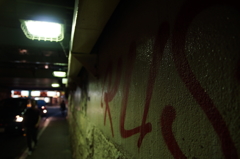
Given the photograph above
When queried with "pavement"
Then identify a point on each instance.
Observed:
(53, 140)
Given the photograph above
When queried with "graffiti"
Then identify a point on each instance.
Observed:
(167, 118)
(145, 127)
(159, 45)
(111, 90)
(186, 15)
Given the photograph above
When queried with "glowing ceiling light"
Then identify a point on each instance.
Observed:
(40, 30)
(55, 85)
(64, 80)
(59, 74)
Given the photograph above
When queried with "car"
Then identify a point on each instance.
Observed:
(41, 104)
(11, 114)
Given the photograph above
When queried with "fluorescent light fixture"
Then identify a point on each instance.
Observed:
(41, 30)
(55, 85)
(64, 80)
(59, 74)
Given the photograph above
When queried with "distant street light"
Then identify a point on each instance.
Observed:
(55, 85)
(64, 80)
(59, 74)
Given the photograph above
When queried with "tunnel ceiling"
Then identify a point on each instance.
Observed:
(22, 61)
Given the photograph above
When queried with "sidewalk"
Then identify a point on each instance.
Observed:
(53, 142)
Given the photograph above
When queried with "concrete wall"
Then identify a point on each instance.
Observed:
(168, 84)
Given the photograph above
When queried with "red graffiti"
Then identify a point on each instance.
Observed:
(111, 90)
(159, 45)
(167, 118)
(184, 18)
(186, 15)
(127, 83)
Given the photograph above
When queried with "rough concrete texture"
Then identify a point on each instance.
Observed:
(89, 142)
(168, 84)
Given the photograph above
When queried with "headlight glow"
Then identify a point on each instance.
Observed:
(44, 111)
(18, 118)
